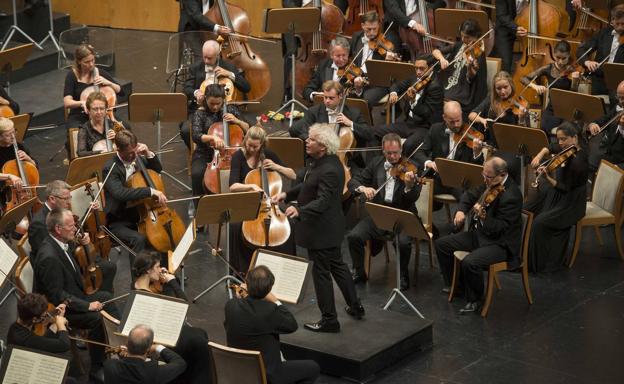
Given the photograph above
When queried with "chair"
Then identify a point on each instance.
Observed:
(360, 104)
(233, 366)
(224, 180)
(73, 142)
(494, 65)
(23, 247)
(604, 208)
(25, 275)
(446, 199)
(527, 223)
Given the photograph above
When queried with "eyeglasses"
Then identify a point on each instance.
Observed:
(98, 109)
(63, 198)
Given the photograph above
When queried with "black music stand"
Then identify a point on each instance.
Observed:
(396, 221)
(575, 106)
(7, 252)
(458, 174)
(524, 142)
(223, 209)
(382, 73)
(613, 75)
(158, 108)
(13, 59)
(291, 21)
(15, 28)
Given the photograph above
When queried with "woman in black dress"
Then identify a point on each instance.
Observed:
(559, 203)
(192, 344)
(247, 158)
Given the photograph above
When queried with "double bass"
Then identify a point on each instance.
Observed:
(358, 8)
(238, 51)
(419, 44)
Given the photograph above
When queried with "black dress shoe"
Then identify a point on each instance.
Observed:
(323, 326)
(471, 307)
(356, 311)
(358, 277)
(405, 282)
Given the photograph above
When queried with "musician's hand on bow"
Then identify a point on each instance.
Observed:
(368, 192)
(358, 82)
(391, 56)
(221, 72)
(95, 306)
(419, 28)
(256, 188)
(411, 93)
(592, 65)
(521, 31)
(393, 98)
(477, 146)
(593, 128)
(344, 120)
(95, 205)
(458, 220)
(278, 198)
(431, 164)
(444, 64)
(159, 196)
(16, 181)
(223, 30)
(540, 89)
(216, 142)
(479, 210)
(291, 212)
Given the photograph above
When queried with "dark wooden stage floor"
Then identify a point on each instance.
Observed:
(573, 333)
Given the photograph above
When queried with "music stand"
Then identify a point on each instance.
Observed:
(289, 149)
(8, 261)
(21, 123)
(613, 75)
(175, 258)
(576, 107)
(84, 168)
(458, 174)
(448, 21)
(50, 34)
(396, 221)
(157, 108)
(15, 28)
(226, 208)
(382, 73)
(291, 21)
(522, 141)
(13, 59)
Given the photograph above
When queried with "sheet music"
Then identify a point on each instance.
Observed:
(289, 275)
(183, 247)
(165, 317)
(26, 367)
(8, 258)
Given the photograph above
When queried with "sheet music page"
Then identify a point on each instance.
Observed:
(165, 317)
(26, 367)
(8, 258)
(183, 246)
(289, 275)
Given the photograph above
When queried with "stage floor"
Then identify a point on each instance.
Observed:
(573, 333)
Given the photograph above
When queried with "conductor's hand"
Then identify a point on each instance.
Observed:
(592, 65)
(278, 198)
(458, 220)
(95, 306)
(593, 128)
(159, 196)
(292, 212)
(368, 192)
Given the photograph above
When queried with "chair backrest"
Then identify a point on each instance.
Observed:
(234, 366)
(494, 65)
(424, 204)
(608, 188)
(25, 275)
(111, 326)
(224, 180)
(527, 224)
(73, 142)
(23, 246)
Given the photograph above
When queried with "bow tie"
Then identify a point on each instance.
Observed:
(387, 165)
(65, 246)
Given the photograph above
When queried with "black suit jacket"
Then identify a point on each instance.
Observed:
(117, 194)
(394, 10)
(601, 43)
(374, 175)
(37, 232)
(318, 114)
(505, 16)
(436, 144)
(256, 325)
(428, 110)
(323, 72)
(136, 371)
(612, 143)
(197, 73)
(503, 221)
(318, 192)
(192, 18)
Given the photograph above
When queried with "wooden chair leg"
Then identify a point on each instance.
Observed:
(367, 258)
(454, 279)
(497, 282)
(598, 235)
(618, 240)
(488, 293)
(525, 283)
(577, 244)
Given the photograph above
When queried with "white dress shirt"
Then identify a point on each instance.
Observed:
(65, 248)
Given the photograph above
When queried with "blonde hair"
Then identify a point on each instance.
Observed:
(5, 124)
(255, 132)
(495, 101)
(331, 84)
(326, 136)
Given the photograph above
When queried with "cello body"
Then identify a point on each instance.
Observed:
(357, 8)
(416, 43)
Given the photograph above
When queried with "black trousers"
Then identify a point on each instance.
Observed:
(327, 264)
(127, 232)
(365, 230)
(372, 95)
(504, 41)
(198, 167)
(472, 266)
(109, 269)
(295, 372)
(185, 131)
(193, 347)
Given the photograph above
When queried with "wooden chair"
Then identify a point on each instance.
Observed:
(494, 65)
(233, 366)
(446, 199)
(25, 275)
(527, 222)
(604, 208)
(73, 142)
(23, 247)
(360, 104)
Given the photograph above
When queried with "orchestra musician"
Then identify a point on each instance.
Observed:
(466, 81)
(122, 221)
(94, 130)
(494, 235)
(611, 146)
(192, 18)
(7, 136)
(320, 225)
(396, 193)
(328, 68)
(192, 344)
(210, 70)
(140, 363)
(424, 107)
(57, 276)
(606, 43)
(560, 202)
(506, 30)
(255, 322)
(249, 157)
(561, 74)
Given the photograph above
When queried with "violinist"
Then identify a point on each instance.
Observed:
(506, 30)
(329, 68)
(498, 106)
(58, 277)
(210, 69)
(424, 106)
(210, 112)
(561, 74)
(249, 157)
(94, 131)
(611, 146)
(397, 193)
(122, 221)
(466, 80)
(494, 234)
(606, 43)
(192, 345)
(560, 201)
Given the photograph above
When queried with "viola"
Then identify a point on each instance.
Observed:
(487, 198)
(555, 162)
(85, 256)
(49, 317)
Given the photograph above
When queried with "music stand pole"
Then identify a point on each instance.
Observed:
(50, 34)
(15, 28)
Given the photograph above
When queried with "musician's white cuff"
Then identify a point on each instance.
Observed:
(159, 348)
(427, 163)
(411, 23)
(216, 28)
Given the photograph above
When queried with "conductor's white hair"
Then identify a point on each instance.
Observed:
(326, 136)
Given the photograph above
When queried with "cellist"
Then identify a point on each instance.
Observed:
(7, 152)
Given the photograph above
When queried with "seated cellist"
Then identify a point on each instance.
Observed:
(7, 152)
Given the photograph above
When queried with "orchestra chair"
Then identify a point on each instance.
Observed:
(233, 365)
(72, 137)
(23, 246)
(447, 199)
(25, 275)
(224, 180)
(492, 278)
(424, 206)
(111, 326)
(604, 208)
(494, 65)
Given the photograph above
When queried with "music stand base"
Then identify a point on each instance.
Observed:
(215, 284)
(6, 297)
(397, 292)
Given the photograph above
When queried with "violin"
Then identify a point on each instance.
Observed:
(383, 46)
(466, 135)
(399, 170)
(350, 72)
(517, 105)
(555, 162)
(41, 325)
(487, 198)
(239, 290)
(474, 52)
(85, 256)
(271, 228)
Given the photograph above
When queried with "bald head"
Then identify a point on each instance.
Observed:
(498, 165)
(210, 52)
(453, 115)
(140, 340)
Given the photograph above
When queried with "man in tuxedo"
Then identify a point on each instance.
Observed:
(506, 30)
(328, 68)
(425, 108)
(255, 323)
(396, 193)
(612, 143)
(210, 69)
(320, 225)
(606, 43)
(57, 276)
(135, 367)
(495, 233)
(122, 221)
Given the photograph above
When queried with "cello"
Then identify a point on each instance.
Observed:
(271, 228)
(108, 91)
(85, 256)
(358, 8)
(238, 50)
